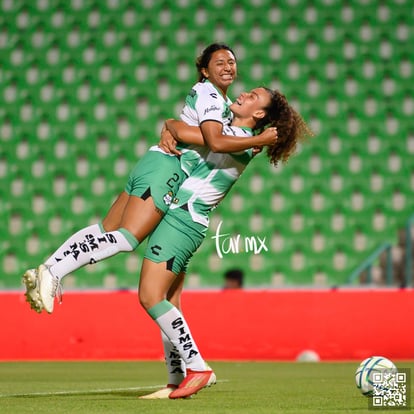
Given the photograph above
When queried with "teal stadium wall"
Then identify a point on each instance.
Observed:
(84, 86)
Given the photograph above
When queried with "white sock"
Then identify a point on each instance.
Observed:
(93, 248)
(65, 248)
(174, 326)
(175, 365)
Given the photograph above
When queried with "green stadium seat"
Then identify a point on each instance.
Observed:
(300, 265)
(13, 259)
(84, 87)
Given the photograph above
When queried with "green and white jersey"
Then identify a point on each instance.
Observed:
(210, 181)
(203, 103)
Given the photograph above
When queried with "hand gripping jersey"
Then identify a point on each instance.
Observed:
(210, 181)
(184, 226)
(203, 103)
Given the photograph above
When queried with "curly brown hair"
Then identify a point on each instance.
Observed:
(291, 128)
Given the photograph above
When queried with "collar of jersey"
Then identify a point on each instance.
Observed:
(248, 129)
(214, 86)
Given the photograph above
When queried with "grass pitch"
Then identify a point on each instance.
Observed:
(113, 387)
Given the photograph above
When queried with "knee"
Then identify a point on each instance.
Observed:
(147, 301)
(143, 300)
(108, 223)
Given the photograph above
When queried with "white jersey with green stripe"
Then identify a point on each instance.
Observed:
(203, 103)
(211, 180)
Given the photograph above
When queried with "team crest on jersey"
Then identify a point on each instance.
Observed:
(169, 199)
(226, 112)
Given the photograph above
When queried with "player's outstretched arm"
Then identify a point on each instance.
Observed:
(212, 135)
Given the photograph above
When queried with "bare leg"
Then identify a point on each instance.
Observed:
(112, 221)
(134, 214)
(174, 293)
(150, 276)
(128, 222)
(154, 284)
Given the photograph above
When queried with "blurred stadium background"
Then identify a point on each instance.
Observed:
(85, 86)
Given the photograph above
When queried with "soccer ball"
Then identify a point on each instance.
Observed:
(367, 368)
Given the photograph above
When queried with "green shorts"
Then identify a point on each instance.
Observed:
(175, 240)
(156, 175)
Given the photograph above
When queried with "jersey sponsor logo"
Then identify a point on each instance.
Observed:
(184, 338)
(213, 95)
(175, 362)
(211, 109)
(89, 244)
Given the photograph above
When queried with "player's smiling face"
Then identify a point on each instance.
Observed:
(222, 69)
(251, 104)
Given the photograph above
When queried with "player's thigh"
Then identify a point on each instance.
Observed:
(155, 281)
(140, 217)
(113, 219)
(136, 215)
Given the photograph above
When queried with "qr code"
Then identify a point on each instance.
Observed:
(390, 390)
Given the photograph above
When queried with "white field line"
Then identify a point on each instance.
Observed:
(81, 392)
(85, 392)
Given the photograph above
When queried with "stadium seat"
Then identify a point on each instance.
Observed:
(86, 85)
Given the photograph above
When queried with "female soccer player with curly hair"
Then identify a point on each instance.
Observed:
(183, 228)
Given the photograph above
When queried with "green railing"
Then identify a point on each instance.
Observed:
(367, 264)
